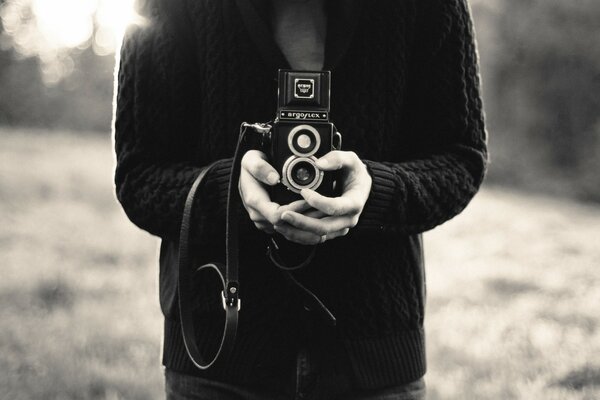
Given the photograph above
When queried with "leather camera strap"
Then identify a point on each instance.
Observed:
(228, 273)
(186, 291)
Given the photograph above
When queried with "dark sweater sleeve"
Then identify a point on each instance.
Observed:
(446, 118)
(156, 162)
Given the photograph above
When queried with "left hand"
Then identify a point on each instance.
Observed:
(335, 215)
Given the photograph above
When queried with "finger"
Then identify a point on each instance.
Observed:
(323, 226)
(348, 203)
(312, 213)
(270, 211)
(265, 227)
(251, 193)
(333, 235)
(251, 189)
(301, 206)
(255, 216)
(254, 196)
(296, 235)
(255, 162)
(337, 159)
(297, 206)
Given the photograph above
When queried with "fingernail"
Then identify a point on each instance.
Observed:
(272, 178)
(306, 192)
(286, 216)
(322, 163)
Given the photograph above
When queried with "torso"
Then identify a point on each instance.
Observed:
(299, 28)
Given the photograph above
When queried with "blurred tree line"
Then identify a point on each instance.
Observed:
(80, 100)
(540, 62)
(541, 80)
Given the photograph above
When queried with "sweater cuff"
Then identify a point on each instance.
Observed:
(380, 204)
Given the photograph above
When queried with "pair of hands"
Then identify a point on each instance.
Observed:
(314, 219)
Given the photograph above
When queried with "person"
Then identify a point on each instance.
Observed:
(406, 96)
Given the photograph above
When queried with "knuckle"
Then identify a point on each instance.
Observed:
(335, 158)
(260, 170)
(246, 160)
(355, 208)
(339, 161)
(259, 154)
(261, 164)
(293, 238)
(308, 196)
(285, 234)
(253, 160)
(251, 200)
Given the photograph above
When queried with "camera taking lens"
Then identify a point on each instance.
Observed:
(301, 173)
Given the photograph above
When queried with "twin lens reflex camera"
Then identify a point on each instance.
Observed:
(301, 133)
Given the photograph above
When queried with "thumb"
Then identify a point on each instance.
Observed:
(332, 161)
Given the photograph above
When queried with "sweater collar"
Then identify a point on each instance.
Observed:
(342, 19)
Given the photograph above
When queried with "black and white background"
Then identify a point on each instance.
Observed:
(513, 282)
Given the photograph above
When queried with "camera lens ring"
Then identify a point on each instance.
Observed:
(292, 140)
(288, 168)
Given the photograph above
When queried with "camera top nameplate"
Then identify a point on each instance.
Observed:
(299, 115)
(300, 89)
(304, 88)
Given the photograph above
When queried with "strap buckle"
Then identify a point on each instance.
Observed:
(231, 297)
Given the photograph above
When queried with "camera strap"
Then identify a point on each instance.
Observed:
(228, 273)
(186, 292)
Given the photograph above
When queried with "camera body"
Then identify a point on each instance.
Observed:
(301, 133)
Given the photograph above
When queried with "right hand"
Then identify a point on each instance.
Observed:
(255, 173)
(264, 213)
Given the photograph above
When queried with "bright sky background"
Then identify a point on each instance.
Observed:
(49, 29)
(68, 23)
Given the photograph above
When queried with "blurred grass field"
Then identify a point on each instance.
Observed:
(513, 287)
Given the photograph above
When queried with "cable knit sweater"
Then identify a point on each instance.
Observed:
(405, 95)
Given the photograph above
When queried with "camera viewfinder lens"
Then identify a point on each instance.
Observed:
(304, 141)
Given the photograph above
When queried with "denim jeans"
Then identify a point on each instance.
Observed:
(311, 379)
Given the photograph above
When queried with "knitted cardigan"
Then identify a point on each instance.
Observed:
(406, 97)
